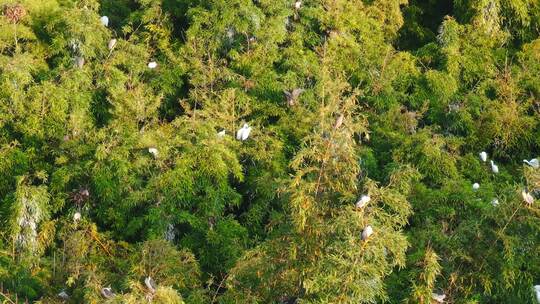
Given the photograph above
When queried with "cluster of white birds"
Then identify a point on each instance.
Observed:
(484, 157)
(527, 197)
(243, 133)
(112, 43)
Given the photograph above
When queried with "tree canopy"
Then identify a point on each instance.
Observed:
(269, 151)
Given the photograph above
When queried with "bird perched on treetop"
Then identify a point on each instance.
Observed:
(104, 20)
(439, 298)
(367, 232)
(152, 65)
(527, 197)
(292, 96)
(476, 186)
(150, 284)
(112, 44)
(107, 292)
(533, 163)
(339, 121)
(243, 133)
(362, 202)
(483, 156)
(494, 168)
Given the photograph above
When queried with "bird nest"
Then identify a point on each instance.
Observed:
(14, 13)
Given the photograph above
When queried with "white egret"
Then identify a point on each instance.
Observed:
(221, 133)
(362, 202)
(152, 65)
(537, 292)
(153, 151)
(494, 202)
(476, 186)
(339, 121)
(494, 168)
(527, 197)
(150, 284)
(439, 298)
(79, 62)
(292, 96)
(298, 5)
(483, 156)
(368, 231)
(244, 132)
(104, 20)
(76, 217)
(63, 295)
(533, 163)
(107, 292)
(112, 44)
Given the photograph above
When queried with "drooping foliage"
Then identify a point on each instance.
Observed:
(124, 177)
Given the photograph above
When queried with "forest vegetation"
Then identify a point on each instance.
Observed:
(270, 151)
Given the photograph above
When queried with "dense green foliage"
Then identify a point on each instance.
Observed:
(113, 170)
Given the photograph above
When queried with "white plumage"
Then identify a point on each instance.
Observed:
(107, 292)
(112, 44)
(483, 156)
(63, 295)
(439, 298)
(153, 151)
(362, 202)
(77, 217)
(152, 65)
(150, 284)
(537, 293)
(243, 133)
(476, 186)
(494, 168)
(533, 163)
(368, 231)
(494, 202)
(297, 5)
(527, 197)
(221, 133)
(104, 20)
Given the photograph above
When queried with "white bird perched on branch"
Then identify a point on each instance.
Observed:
(368, 231)
(533, 163)
(527, 197)
(104, 20)
(494, 202)
(153, 151)
(476, 186)
(439, 298)
(243, 133)
(76, 217)
(362, 202)
(537, 292)
(494, 168)
(112, 44)
(221, 133)
(339, 121)
(107, 292)
(483, 156)
(297, 5)
(63, 295)
(150, 284)
(152, 65)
